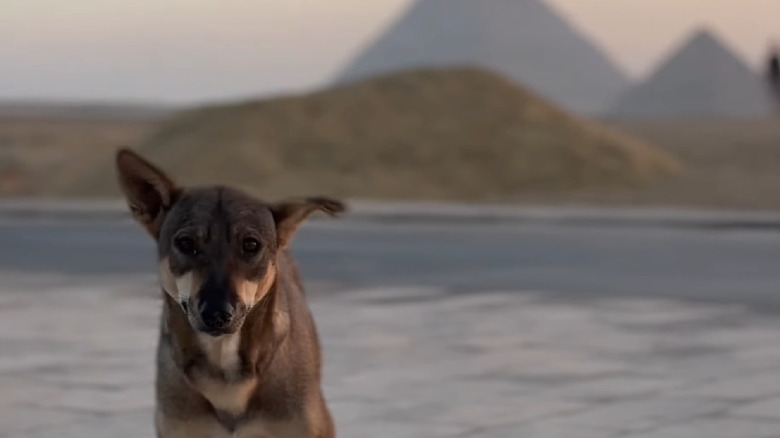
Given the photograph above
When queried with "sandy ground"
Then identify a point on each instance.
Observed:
(728, 164)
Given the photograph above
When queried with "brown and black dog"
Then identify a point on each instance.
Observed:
(238, 352)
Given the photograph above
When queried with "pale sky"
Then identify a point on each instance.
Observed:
(189, 51)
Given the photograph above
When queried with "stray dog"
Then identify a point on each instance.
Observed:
(238, 353)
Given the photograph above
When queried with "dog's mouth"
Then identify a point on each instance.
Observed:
(217, 332)
(197, 323)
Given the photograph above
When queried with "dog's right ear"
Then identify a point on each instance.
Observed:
(149, 192)
(289, 214)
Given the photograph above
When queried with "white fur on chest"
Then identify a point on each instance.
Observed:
(222, 353)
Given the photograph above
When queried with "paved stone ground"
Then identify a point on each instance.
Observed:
(421, 363)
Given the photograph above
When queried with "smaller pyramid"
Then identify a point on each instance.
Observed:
(703, 79)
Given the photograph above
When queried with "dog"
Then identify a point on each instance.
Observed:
(238, 353)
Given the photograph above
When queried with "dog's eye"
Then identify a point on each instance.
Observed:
(186, 245)
(250, 246)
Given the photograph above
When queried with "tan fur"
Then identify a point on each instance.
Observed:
(251, 292)
(179, 288)
(228, 397)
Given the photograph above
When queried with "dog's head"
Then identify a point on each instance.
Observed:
(217, 246)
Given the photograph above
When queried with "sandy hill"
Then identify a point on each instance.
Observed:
(438, 134)
(702, 79)
(526, 40)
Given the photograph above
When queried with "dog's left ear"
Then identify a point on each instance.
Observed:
(149, 192)
(288, 215)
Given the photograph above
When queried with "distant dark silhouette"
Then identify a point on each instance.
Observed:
(773, 72)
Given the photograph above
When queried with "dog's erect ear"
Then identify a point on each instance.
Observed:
(149, 192)
(289, 215)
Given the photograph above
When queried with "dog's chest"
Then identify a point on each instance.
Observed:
(229, 394)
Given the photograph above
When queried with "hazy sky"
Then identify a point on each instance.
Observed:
(187, 51)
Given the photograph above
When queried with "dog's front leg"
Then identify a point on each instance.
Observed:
(201, 427)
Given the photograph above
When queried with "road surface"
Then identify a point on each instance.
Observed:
(578, 262)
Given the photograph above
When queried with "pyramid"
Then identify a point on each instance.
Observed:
(703, 79)
(524, 40)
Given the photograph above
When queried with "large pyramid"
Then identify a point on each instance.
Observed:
(703, 79)
(523, 39)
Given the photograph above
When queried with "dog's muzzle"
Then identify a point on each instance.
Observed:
(217, 316)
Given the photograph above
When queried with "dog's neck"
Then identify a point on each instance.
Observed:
(223, 353)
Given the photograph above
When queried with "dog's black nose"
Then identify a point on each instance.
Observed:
(217, 315)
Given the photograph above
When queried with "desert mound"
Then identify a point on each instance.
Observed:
(14, 180)
(455, 133)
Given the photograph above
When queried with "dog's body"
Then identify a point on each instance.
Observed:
(261, 381)
(238, 352)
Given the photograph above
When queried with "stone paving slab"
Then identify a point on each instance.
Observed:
(78, 362)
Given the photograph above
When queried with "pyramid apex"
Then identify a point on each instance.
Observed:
(705, 32)
(706, 35)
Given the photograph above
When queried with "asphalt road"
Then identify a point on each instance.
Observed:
(573, 262)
